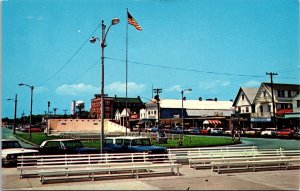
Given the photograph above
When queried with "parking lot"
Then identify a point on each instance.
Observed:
(201, 179)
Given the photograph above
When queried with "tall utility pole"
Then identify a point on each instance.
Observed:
(157, 91)
(272, 93)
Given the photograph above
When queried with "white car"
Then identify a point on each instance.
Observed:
(11, 149)
(268, 132)
(216, 131)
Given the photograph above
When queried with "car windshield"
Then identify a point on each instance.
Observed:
(10, 144)
(70, 144)
(140, 142)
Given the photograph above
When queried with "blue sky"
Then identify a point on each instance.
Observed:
(212, 46)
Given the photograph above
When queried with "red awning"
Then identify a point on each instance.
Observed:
(283, 111)
(213, 121)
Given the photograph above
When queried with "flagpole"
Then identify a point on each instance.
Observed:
(126, 71)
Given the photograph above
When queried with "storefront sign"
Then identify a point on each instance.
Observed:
(261, 119)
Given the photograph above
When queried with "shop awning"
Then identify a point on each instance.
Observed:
(140, 122)
(283, 111)
(213, 121)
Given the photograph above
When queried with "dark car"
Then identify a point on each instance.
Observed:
(131, 145)
(65, 146)
(195, 131)
(176, 130)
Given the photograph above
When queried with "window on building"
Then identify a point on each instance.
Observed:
(280, 93)
(289, 93)
(148, 112)
(264, 93)
(154, 112)
(243, 96)
(107, 102)
(261, 108)
(298, 103)
(269, 108)
(247, 109)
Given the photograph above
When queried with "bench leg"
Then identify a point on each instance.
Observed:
(218, 169)
(178, 173)
(172, 170)
(93, 177)
(42, 179)
(137, 173)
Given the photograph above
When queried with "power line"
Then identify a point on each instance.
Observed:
(186, 69)
(83, 73)
(69, 60)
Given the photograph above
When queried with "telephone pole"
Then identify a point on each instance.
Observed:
(157, 91)
(272, 93)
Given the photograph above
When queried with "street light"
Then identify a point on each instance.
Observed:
(103, 45)
(182, 118)
(15, 113)
(30, 119)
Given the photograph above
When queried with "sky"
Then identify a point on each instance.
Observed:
(212, 46)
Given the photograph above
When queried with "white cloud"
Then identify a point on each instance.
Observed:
(175, 88)
(120, 88)
(40, 89)
(76, 89)
(214, 85)
(252, 83)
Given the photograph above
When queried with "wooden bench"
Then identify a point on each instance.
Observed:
(204, 159)
(254, 162)
(29, 165)
(109, 168)
(182, 154)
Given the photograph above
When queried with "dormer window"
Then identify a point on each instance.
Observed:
(243, 96)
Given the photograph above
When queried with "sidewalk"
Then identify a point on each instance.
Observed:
(201, 179)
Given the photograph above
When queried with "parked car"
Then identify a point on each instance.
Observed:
(252, 132)
(268, 132)
(176, 130)
(296, 134)
(227, 132)
(285, 133)
(216, 131)
(65, 146)
(195, 131)
(11, 149)
(204, 131)
(128, 144)
(154, 129)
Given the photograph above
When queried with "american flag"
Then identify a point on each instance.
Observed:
(133, 22)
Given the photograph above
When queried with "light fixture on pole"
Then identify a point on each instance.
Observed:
(103, 45)
(31, 95)
(15, 112)
(182, 118)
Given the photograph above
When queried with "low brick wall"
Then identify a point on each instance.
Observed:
(82, 125)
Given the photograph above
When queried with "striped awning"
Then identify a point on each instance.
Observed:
(213, 121)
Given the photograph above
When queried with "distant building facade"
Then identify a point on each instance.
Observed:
(115, 107)
(260, 107)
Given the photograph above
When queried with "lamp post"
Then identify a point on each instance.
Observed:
(31, 95)
(103, 45)
(15, 112)
(182, 118)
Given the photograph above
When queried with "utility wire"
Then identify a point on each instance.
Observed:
(185, 69)
(69, 60)
(83, 73)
